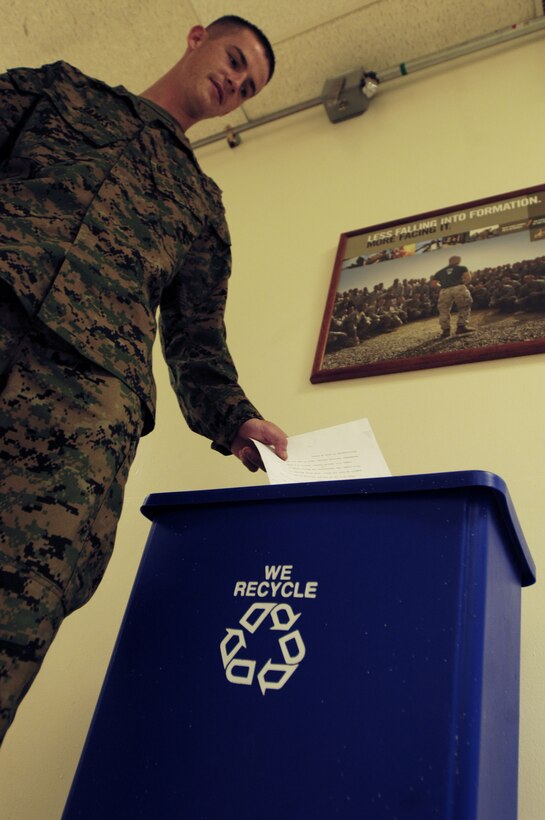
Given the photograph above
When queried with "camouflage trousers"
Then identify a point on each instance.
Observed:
(68, 434)
(458, 295)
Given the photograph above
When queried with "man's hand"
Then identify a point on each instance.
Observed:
(260, 430)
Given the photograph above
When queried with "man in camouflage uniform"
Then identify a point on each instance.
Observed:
(105, 216)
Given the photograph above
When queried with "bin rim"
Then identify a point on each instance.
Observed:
(156, 504)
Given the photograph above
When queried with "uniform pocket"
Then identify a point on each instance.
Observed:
(93, 123)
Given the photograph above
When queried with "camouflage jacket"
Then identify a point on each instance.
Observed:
(105, 216)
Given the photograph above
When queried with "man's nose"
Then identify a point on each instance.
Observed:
(233, 83)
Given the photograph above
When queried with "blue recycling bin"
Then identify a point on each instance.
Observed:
(315, 651)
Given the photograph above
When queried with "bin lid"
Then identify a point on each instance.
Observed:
(157, 503)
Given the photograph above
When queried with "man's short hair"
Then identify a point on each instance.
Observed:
(233, 21)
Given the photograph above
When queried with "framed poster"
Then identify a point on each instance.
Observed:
(461, 284)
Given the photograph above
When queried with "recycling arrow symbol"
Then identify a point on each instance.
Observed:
(242, 671)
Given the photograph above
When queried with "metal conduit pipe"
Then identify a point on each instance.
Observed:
(469, 46)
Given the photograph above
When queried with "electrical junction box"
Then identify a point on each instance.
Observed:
(347, 96)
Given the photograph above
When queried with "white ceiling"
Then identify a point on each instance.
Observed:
(132, 42)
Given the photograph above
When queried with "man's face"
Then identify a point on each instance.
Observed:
(219, 73)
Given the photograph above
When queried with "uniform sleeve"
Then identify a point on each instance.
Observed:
(193, 337)
(19, 90)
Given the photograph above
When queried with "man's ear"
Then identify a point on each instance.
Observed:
(196, 37)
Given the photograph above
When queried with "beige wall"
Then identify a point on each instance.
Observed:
(452, 134)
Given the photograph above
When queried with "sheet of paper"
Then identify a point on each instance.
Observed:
(341, 452)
